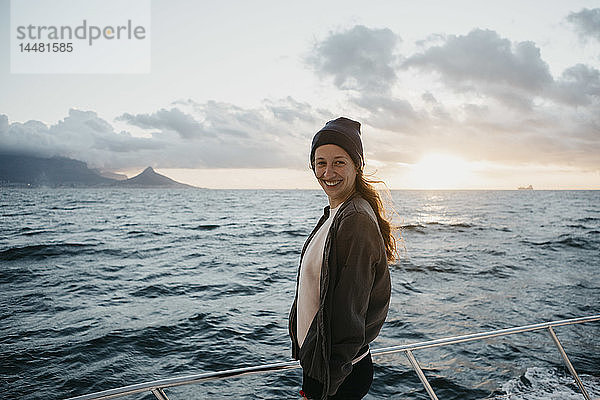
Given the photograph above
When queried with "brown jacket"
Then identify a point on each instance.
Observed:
(354, 295)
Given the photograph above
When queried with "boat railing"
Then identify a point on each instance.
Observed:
(157, 387)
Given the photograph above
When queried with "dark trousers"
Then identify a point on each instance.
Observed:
(355, 386)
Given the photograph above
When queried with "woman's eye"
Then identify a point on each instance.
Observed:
(340, 163)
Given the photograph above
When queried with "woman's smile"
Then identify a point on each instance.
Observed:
(331, 183)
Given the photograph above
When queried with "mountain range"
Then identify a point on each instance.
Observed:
(32, 171)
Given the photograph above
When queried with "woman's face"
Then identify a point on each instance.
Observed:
(335, 172)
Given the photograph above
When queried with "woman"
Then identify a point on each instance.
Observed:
(343, 287)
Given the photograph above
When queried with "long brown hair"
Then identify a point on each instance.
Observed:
(364, 186)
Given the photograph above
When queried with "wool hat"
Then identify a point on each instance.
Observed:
(343, 132)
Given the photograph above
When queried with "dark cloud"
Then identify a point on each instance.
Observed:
(81, 135)
(230, 120)
(212, 135)
(289, 110)
(578, 85)
(481, 63)
(388, 113)
(360, 58)
(173, 120)
(235, 137)
(485, 62)
(586, 22)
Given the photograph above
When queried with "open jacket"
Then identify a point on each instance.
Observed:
(354, 295)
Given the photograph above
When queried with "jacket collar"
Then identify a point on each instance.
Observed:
(342, 206)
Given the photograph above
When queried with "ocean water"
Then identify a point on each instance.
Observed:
(105, 288)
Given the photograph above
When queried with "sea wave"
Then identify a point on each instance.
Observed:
(539, 383)
(42, 251)
(565, 241)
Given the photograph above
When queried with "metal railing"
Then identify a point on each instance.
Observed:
(157, 387)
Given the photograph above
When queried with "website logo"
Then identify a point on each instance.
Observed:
(75, 36)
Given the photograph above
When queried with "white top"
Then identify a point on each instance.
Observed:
(309, 285)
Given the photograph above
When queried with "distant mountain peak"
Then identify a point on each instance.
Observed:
(150, 178)
(25, 170)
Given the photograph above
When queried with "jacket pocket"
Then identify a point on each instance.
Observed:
(310, 353)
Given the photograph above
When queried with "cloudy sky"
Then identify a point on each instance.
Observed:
(461, 94)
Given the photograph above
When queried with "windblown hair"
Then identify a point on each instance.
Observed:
(364, 186)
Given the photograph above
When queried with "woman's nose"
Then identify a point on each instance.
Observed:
(328, 171)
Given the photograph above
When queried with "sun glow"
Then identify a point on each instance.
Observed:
(441, 171)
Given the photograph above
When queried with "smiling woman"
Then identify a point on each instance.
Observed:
(441, 171)
(343, 284)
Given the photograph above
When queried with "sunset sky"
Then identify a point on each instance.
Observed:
(451, 95)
